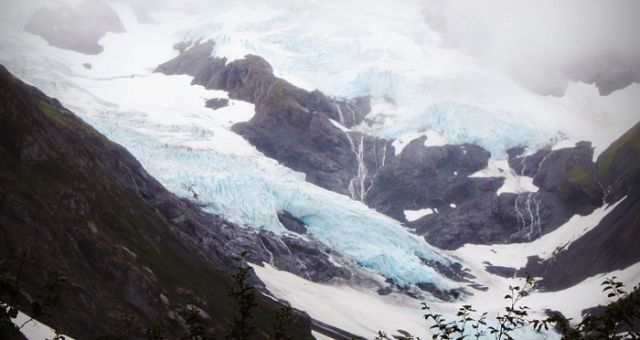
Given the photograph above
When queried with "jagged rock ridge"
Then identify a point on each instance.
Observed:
(291, 126)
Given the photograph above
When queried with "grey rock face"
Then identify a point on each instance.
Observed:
(291, 222)
(568, 186)
(422, 177)
(291, 125)
(217, 103)
(570, 174)
(191, 58)
(611, 245)
(78, 29)
(351, 112)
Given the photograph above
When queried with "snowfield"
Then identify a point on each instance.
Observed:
(365, 312)
(332, 46)
(189, 148)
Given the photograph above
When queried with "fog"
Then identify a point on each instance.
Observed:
(540, 44)
(543, 44)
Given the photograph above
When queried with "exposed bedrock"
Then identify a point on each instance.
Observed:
(291, 125)
(75, 28)
(431, 177)
(613, 243)
(294, 126)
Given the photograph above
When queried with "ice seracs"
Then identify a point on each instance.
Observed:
(163, 122)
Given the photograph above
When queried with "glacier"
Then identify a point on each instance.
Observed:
(162, 121)
(334, 47)
(417, 88)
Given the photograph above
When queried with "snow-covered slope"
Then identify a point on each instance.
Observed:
(35, 330)
(364, 313)
(333, 46)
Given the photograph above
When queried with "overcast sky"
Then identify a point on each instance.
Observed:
(539, 42)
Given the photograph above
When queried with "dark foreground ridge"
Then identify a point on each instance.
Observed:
(82, 205)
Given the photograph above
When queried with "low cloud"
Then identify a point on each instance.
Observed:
(544, 44)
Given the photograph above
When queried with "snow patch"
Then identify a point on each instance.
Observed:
(34, 329)
(413, 215)
(339, 126)
(589, 291)
(361, 312)
(433, 139)
(364, 312)
(513, 183)
(319, 336)
(515, 255)
(564, 143)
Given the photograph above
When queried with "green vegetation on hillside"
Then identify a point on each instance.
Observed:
(630, 139)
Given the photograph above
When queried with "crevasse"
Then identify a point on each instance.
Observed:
(180, 144)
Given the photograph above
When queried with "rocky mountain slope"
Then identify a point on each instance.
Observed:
(307, 132)
(82, 205)
(291, 125)
(615, 239)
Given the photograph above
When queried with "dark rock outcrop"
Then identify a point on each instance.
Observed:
(191, 58)
(291, 222)
(351, 112)
(569, 174)
(568, 186)
(78, 29)
(216, 103)
(611, 245)
(84, 206)
(286, 130)
(372, 154)
(526, 165)
(291, 125)
(431, 177)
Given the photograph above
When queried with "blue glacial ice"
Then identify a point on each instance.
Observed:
(246, 188)
(335, 48)
(250, 192)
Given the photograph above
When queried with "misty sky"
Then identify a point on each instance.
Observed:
(540, 44)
